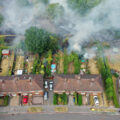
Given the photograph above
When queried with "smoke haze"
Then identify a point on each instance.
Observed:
(94, 25)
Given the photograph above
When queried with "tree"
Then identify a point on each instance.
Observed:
(76, 64)
(40, 1)
(1, 19)
(66, 62)
(55, 10)
(40, 41)
(83, 6)
(22, 3)
(109, 81)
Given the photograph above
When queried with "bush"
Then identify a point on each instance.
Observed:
(76, 100)
(64, 98)
(115, 100)
(79, 99)
(55, 98)
(6, 98)
(116, 75)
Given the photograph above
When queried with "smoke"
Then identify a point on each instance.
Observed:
(98, 24)
(19, 18)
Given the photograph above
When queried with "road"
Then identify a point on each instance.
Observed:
(71, 116)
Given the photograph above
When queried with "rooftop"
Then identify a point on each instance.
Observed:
(21, 83)
(78, 83)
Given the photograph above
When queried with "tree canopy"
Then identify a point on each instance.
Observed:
(55, 10)
(1, 19)
(40, 41)
(83, 6)
(23, 2)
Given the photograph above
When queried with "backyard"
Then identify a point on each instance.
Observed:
(7, 64)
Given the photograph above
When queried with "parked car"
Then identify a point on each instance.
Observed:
(51, 85)
(96, 101)
(25, 100)
(45, 95)
(46, 84)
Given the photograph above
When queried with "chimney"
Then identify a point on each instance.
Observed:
(3, 82)
(30, 79)
(77, 77)
(92, 81)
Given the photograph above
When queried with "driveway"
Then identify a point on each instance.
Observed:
(14, 100)
(70, 100)
(50, 98)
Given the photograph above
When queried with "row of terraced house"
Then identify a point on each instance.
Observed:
(33, 85)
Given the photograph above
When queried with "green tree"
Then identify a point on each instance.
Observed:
(1, 19)
(83, 6)
(22, 3)
(109, 81)
(40, 41)
(55, 10)
(66, 62)
(76, 64)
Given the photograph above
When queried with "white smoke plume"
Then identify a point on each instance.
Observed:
(104, 16)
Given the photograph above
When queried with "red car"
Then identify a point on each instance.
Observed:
(25, 99)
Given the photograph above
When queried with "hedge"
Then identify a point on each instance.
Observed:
(55, 98)
(115, 100)
(65, 98)
(6, 98)
(79, 99)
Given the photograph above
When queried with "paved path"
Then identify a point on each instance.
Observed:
(50, 109)
(59, 117)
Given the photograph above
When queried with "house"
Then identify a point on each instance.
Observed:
(82, 84)
(31, 85)
(5, 52)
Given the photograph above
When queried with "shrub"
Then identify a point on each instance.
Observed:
(64, 98)
(115, 100)
(6, 98)
(76, 100)
(79, 99)
(55, 98)
(116, 75)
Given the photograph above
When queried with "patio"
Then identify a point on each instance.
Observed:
(37, 100)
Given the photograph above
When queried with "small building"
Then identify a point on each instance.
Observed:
(82, 84)
(5, 52)
(19, 72)
(53, 67)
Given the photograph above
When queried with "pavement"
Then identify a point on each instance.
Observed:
(50, 109)
(63, 116)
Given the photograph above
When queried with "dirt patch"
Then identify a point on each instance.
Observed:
(71, 68)
(7, 64)
(105, 100)
(30, 62)
(92, 65)
(61, 109)
(35, 109)
(19, 63)
(114, 62)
